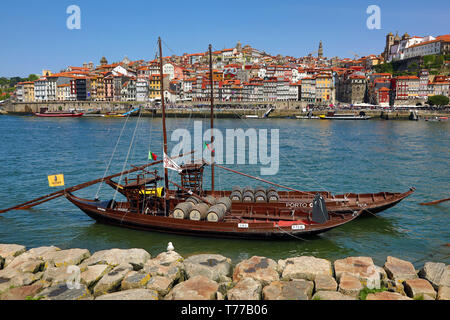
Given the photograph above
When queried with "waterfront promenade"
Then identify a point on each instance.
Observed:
(202, 110)
(133, 274)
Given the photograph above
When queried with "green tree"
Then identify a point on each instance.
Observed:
(438, 100)
(32, 77)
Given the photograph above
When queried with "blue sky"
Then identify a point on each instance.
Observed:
(35, 35)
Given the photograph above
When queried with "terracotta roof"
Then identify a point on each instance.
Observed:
(407, 78)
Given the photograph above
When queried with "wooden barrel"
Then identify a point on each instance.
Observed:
(211, 199)
(248, 196)
(237, 189)
(273, 196)
(236, 196)
(216, 213)
(260, 196)
(270, 189)
(260, 188)
(226, 202)
(193, 200)
(247, 188)
(199, 212)
(182, 210)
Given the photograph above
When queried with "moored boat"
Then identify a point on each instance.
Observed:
(233, 225)
(333, 116)
(59, 114)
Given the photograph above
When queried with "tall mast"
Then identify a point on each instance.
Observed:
(166, 179)
(212, 118)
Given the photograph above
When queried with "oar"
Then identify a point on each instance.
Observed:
(433, 202)
(51, 196)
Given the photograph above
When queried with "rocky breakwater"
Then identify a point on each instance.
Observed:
(132, 274)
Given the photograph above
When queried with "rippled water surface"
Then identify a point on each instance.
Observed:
(347, 156)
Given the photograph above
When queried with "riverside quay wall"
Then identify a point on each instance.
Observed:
(133, 274)
(201, 110)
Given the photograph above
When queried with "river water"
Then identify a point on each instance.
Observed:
(339, 156)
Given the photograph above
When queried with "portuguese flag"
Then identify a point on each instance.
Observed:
(152, 156)
(207, 145)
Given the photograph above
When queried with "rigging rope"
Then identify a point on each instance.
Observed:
(112, 156)
(126, 159)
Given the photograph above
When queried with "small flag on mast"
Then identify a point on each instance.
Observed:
(207, 145)
(170, 164)
(152, 156)
(56, 180)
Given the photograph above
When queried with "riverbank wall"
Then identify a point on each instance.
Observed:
(27, 108)
(50, 273)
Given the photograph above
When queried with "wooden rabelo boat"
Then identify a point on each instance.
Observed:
(243, 212)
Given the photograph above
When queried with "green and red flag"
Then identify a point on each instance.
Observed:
(208, 145)
(152, 156)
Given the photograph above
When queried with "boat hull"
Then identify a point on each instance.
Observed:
(59, 115)
(243, 229)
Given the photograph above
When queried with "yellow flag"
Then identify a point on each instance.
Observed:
(56, 180)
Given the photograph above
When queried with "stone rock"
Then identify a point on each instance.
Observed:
(399, 270)
(432, 271)
(166, 265)
(444, 293)
(62, 292)
(304, 267)
(114, 257)
(445, 278)
(112, 280)
(39, 252)
(9, 251)
(325, 283)
(246, 289)
(10, 277)
(57, 275)
(382, 272)
(195, 288)
(394, 286)
(416, 288)
(259, 268)
(68, 257)
(5, 277)
(132, 294)
(212, 266)
(331, 295)
(32, 256)
(160, 284)
(288, 290)
(386, 295)
(362, 268)
(135, 280)
(350, 285)
(93, 274)
(168, 258)
(22, 293)
(27, 265)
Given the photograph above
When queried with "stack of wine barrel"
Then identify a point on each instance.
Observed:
(195, 209)
(250, 195)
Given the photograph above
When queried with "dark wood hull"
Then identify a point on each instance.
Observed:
(240, 228)
(59, 115)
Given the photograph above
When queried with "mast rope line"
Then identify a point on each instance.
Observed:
(112, 156)
(126, 159)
